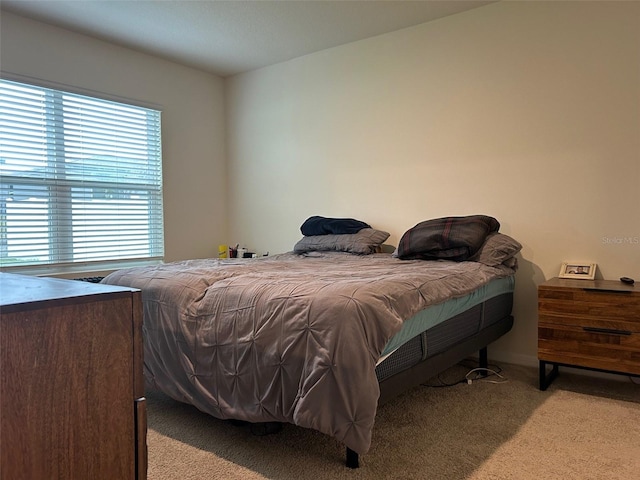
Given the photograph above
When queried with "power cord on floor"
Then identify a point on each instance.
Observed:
(480, 376)
(469, 378)
(442, 383)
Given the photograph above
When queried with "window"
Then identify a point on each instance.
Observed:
(80, 180)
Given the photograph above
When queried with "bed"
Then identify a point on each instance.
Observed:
(318, 337)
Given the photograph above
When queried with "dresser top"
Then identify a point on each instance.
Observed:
(22, 289)
(609, 285)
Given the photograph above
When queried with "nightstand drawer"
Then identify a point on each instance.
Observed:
(605, 349)
(614, 305)
(602, 322)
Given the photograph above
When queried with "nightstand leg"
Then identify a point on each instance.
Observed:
(546, 379)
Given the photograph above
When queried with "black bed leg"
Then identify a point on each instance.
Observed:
(484, 360)
(352, 459)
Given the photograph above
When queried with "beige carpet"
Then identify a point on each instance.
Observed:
(581, 428)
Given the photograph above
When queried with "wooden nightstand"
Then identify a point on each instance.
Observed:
(592, 324)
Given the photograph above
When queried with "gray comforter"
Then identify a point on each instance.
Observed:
(286, 338)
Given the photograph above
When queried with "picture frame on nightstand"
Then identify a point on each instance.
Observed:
(579, 270)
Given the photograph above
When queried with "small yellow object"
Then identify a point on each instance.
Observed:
(223, 251)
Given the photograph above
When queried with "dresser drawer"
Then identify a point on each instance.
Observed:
(587, 347)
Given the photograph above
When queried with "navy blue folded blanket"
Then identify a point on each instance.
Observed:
(317, 225)
(448, 238)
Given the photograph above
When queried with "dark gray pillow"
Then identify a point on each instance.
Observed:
(366, 241)
(447, 238)
(497, 249)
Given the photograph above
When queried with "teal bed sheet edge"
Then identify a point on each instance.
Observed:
(436, 314)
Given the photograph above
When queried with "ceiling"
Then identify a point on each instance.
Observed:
(234, 36)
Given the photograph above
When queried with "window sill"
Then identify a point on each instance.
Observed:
(79, 270)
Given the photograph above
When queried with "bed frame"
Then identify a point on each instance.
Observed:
(441, 347)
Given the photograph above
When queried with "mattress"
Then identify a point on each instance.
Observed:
(435, 314)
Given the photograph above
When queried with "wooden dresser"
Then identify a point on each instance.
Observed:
(593, 324)
(71, 388)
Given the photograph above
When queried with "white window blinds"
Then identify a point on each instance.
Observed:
(80, 179)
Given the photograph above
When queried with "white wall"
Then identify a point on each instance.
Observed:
(192, 104)
(527, 111)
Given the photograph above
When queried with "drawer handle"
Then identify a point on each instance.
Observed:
(606, 330)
